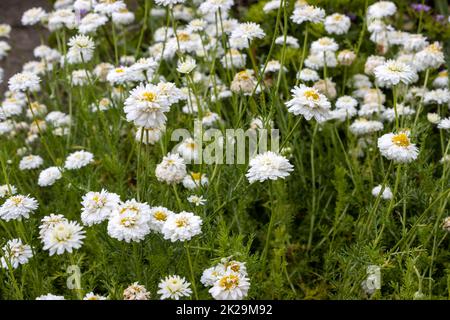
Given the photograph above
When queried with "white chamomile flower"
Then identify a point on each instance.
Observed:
(182, 226)
(48, 222)
(15, 253)
(431, 56)
(195, 180)
(189, 150)
(337, 24)
(78, 159)
(130, 221)
(230, 286)
(363, 126)
(30, 162)
(98, 206)
(136, 291)
(308, 13)
(158, 216)
(49, 176)
(398, 147)
(386, 195)
(393, 72)
(63, 236)
(146, 106)
(381, 9)
(268, 165)
(93, 296)
(17, 207)
(308, 75)
(25, 81)
(186, 65)
(172, 169)
(149, 135)
(248, 31)
(309, 102)
(174, 287)
(33, 16)
(108, 7)
(444, 124)
(7, 190)
(81, 49)
(196, 200)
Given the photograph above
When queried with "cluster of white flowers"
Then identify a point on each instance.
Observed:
(228, 280)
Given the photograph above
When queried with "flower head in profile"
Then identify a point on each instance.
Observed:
(108, 7)
(381, 9)
(78, 159)
(24, 81)
(307, 13)
(186, 65)
(398, 147)
(268, 165)
(49, 176)
(30, 162)
(17, 207)
(337, 23)
(248, 31)
(310, 103)
(393, 72)
(33, 16)
(174, 287)
(15, 253)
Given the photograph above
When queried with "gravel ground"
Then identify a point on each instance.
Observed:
(22, 39)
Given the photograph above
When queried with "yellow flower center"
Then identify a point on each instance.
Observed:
(104, 102)
(229, 282)
(120, 70)
(149, 96)
(434, 48)
(401, 140)
(183, 36)
(191, 145)
(16, 200)
(127, 221)
(160, 216)
(395, 68)
(243, 75)
(181, 222)
(129, 208)
(311, 94)
(196, 176)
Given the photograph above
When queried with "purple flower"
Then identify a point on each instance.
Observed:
(439, 18)
(420, 7)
